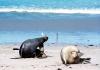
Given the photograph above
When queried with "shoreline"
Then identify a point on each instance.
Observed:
(54, 44)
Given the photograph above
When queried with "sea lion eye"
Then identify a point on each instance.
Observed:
(78, 52)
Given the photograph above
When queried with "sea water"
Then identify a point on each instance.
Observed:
(63, 21)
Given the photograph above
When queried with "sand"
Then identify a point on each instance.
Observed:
(9, 59)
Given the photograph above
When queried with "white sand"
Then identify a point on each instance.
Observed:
(8, 59)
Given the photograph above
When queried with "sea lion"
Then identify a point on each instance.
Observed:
(70, 55)
(29, 47)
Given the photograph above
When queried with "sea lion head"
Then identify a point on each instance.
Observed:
(44, 39)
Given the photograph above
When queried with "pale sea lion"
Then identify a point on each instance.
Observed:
(70, 55)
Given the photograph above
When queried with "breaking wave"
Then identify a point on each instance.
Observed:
(62, 11)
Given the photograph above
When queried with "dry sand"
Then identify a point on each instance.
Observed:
(9, 59)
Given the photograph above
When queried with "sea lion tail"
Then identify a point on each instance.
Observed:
(15, 48)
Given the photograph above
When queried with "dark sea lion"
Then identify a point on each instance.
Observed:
(29, 47)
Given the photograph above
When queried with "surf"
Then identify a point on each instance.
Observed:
(59, 11)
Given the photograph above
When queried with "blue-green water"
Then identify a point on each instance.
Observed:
(67, 4)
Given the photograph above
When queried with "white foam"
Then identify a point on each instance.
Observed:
(62, 11)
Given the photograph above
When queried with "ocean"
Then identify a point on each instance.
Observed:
(63, 21)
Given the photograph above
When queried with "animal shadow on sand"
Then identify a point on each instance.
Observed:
(85, 60)
(31, 57)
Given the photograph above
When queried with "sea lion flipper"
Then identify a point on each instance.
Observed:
(15, 48)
